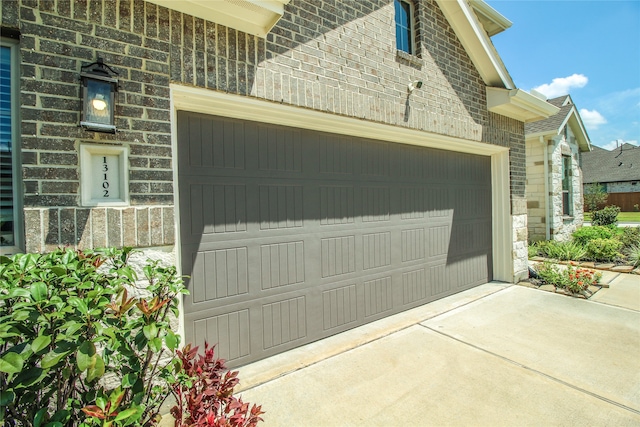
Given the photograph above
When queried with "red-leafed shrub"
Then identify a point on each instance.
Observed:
(204, 393)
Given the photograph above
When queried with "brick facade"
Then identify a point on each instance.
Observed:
(334, 56)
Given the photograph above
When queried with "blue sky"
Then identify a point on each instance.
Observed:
(588, 49)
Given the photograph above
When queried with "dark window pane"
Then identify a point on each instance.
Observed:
(7, 221)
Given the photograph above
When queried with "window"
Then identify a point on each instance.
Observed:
(404, 26)
(567, 197)
(10, 209)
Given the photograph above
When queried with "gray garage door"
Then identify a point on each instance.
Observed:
(291, 235)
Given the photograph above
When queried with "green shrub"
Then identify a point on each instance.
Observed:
(548, 249)
(584, 235)
(564, 251)
(533, 250)
(594, 195)
(77, 349)
(550, 274)
(606, 216)
(606, 250)
(68, 323)
(630, 237)
(633, 253)
(575, 280)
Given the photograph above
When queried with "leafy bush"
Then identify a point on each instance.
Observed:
(606, 216)
(76, 349)
(564, 251)
(550, 274)
(70, 327)
(594, 195)
(630, 237)
(206, 397)
(533, 249)
(633, 253)
(575, 280)
(584, 235)
(604, 249)
(548, 249)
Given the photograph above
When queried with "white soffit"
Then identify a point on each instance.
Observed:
(255, 17)
(518, 104)
(492, 21)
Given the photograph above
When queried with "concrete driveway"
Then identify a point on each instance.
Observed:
(494, 355)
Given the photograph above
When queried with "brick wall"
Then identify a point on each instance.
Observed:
(333, 56)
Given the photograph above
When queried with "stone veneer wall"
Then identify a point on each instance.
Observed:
(332, 56)
(561, 227)
(536, 200)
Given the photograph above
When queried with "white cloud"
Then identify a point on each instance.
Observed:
(562, 85)
(615, 144)
(592, 119)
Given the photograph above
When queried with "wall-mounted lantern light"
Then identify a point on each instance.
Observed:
(99, 85)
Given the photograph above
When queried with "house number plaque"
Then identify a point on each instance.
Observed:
(106, 184)
(104, 175)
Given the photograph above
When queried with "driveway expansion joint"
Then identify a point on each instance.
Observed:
(535, 371)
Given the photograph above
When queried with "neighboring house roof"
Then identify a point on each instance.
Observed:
(618, 165)
(554, 125)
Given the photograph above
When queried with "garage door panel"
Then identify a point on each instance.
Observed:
(279, 150)
(216, 207)
(219, 274)
(336, 156)
(337, 204)
(282, 264)
(339, 307)
(337, 255)
(280, 206)
(284, 321)
(292, 235)
(378, 296)
(415, 285)
(375, 159)
(229, 331)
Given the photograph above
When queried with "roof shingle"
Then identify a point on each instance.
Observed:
(620, 164)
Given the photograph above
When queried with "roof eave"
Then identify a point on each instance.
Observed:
(476, 42)
(492, 21)
(582, 137)
(518, 104)
(255, 17)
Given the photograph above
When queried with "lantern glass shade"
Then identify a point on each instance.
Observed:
(98, 103)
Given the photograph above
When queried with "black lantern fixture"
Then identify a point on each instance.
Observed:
(99, 85)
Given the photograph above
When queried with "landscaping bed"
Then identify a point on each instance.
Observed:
(537, 283)
(575, 267)
(568, 278)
